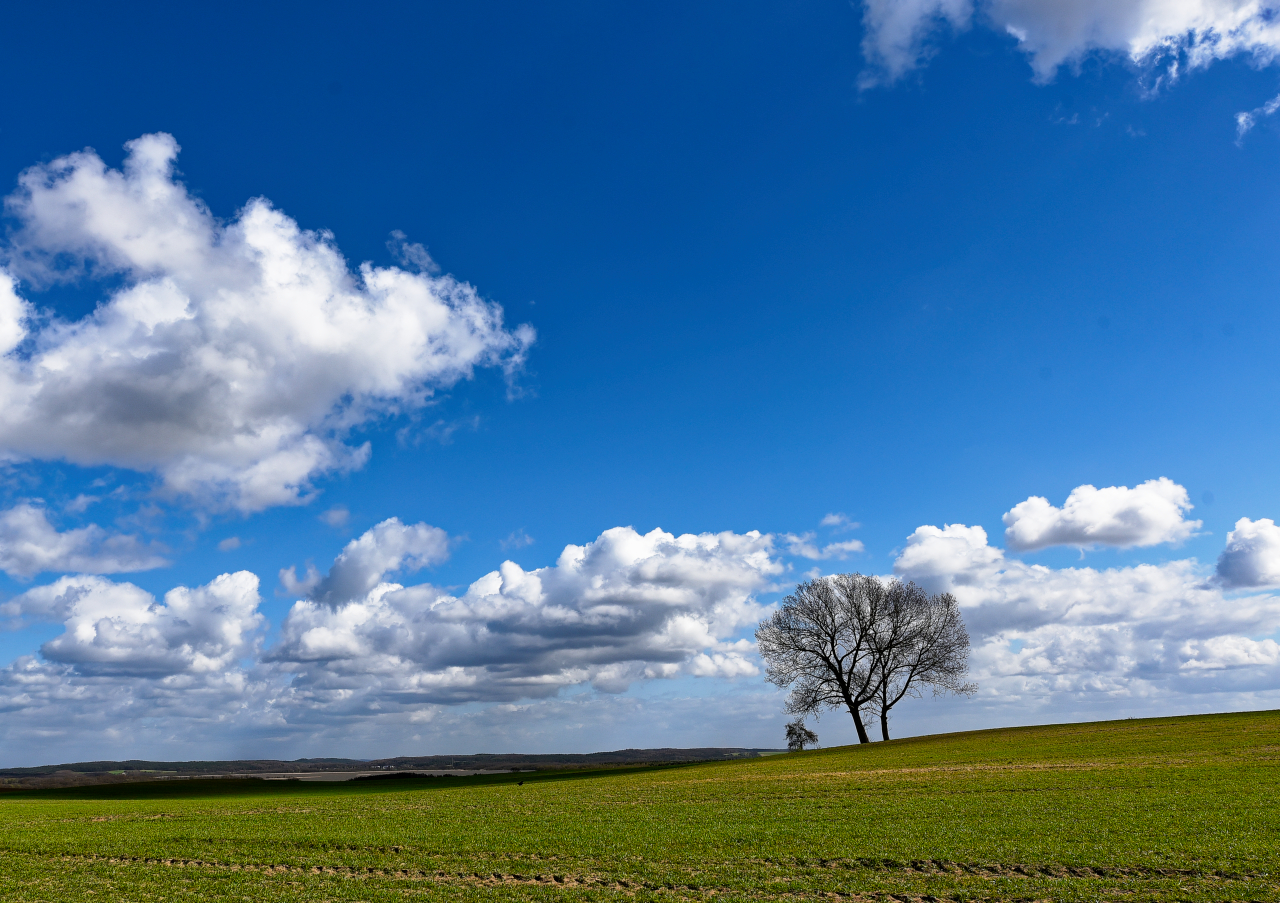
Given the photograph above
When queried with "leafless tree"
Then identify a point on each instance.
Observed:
(921, 642)
(855, 642)
(819, 642)
(799, 736)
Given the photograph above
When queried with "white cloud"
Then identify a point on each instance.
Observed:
(29, 545)
(1246, 121)
(1146, 515)
(517, 539)
(81, 503)
(118, 628)
(897, 33)
(803, 545)
(943, 558)
(623, 608)
(1189, 34)
(842, 550)
(230, 544)
(1252, 555)
(1229, 652)
(1069, 639)
(838, 521)
(235, 357)
(13, 312)
(390, 546)
(299, 586)
(336, 517)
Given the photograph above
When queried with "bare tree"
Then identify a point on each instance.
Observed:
(799, 736)
(819, 642)
(922, 642)
(854, 642)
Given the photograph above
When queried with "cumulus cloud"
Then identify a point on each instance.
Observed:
(1252, 555)
(1180, 34)
(30, 544)
(622, 608)
(120, 629)
(136, 675)
(941, 558)
(361, 650)
(1229, 652)
(235, 357)
(1146, 515)
(13, 312)
(390, 546)
(1046, 636)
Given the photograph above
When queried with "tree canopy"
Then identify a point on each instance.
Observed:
(864, 644)
(799, 736)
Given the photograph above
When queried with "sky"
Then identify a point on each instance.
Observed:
(449, 378)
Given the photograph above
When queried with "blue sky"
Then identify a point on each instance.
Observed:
(781, 263)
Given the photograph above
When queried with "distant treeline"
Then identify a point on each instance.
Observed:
(79, 773)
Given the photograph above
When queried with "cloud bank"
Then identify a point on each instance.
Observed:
(623, 608)
(1074, 638)
(236, 357)
(363, 653)
(900, 35)
(119, 629)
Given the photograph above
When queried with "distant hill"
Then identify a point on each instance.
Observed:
(105, 772)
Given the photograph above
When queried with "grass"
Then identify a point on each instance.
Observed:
(1157, 809)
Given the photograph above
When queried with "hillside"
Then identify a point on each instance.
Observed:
(1155, 809)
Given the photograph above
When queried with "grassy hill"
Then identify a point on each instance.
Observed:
(1155, 809)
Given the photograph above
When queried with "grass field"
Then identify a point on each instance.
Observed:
(1158, 809)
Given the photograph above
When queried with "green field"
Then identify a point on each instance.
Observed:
(1158, 809)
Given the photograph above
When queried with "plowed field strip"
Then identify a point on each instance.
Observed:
(927, 867)
(349, 871)
(1016, 870)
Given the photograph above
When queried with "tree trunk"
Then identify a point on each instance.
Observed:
(857, 722)
(884, 725)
